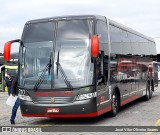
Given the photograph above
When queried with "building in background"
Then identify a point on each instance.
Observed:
(157, 41)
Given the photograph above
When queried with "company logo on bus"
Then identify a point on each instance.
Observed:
(52, 100)
(54, 94)
(53, 110)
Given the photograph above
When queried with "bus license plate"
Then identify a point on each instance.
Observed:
(53, 110)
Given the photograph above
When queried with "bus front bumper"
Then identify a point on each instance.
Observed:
(78, 109)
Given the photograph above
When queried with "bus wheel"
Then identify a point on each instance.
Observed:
(148, 92)
(114, 104)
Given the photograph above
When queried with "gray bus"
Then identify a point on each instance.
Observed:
(82, 66)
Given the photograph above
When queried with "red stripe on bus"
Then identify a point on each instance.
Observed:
(129, 100)
(70, 115)
(107, 109)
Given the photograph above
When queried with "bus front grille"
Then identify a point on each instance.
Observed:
(53, 100)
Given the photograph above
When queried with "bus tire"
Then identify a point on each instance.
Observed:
(151, 90)
(148, 91)
(114, 104)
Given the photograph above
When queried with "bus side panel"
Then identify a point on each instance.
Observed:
(130, 57)
(121, 75)
(103, 99)
(130, 75)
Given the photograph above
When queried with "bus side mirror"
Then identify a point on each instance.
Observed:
(7, 51)
(94, 46)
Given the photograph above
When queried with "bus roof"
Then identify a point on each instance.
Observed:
(64, 18)
(129, 30)
(100, 17)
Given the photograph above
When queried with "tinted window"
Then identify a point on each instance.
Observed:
(115, 35)
(136, 48)
(39, 32)
(146, 47)
(134, 44)
(102, 31)
(126, 37)
(152, 48)
(141, 46)
(74, 29)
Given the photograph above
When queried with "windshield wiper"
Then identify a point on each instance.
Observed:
(42, 76)
(67, 82)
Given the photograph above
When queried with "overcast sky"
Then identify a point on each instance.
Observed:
(140, 15)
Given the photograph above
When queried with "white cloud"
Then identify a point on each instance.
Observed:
(140, 15)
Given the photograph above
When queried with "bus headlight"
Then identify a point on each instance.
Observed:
(24, 97)
(86, 96)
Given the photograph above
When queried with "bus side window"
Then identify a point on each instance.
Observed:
(105, 66)
(101, 79)
(98, 70)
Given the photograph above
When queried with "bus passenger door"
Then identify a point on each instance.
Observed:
(102, 77)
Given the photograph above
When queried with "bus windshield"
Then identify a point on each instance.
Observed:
(75, 60)
(34, 58)
(70, 49)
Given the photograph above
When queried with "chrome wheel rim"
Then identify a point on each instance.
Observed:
(147, 92)
(114, 103)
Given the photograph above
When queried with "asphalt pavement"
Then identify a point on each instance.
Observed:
(137, 113)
